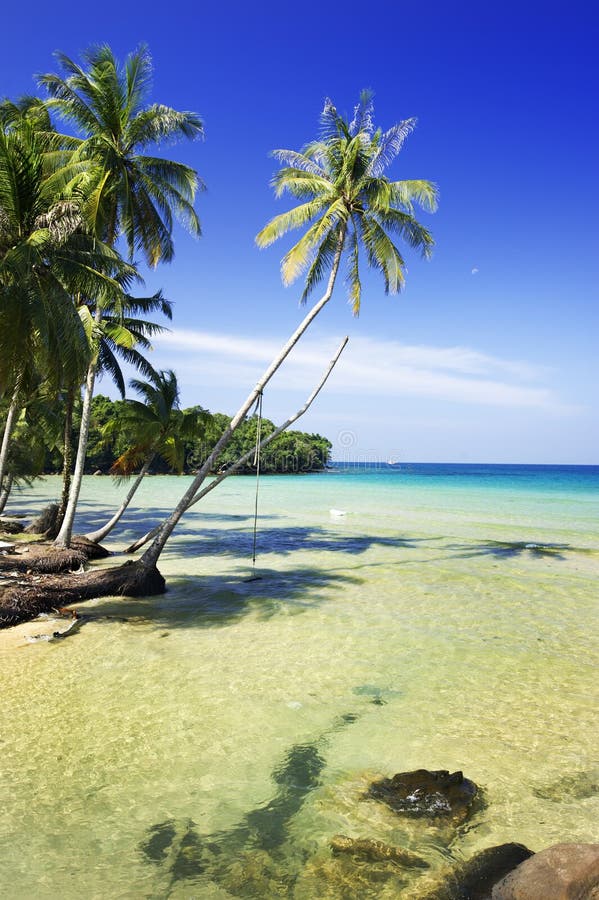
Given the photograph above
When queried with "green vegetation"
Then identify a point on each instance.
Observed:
(290, 453)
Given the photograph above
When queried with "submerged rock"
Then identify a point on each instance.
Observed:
(379, 696)
(347, 877)
(577, 786)
(474, 879)
(376, 851)
(256, 874)
(424, 794)
(562, 872)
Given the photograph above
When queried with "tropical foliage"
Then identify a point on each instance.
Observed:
(348, 202)
(128, 192)
(119, 442)
(292, 452)
(47, 258)
(155, 426)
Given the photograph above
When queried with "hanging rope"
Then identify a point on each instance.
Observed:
(257, 464)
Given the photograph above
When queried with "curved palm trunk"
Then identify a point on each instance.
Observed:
(6, 489)
(101, 533)
(63, 538)
(11, 418)
(247, 456)
(150, 557)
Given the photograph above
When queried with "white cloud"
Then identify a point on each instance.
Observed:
(368, 366)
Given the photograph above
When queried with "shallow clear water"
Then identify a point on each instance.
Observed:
(210, 742)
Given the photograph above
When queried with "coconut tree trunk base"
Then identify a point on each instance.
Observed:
(24, 601)
(43, 558)
(91, 549)
(10, 526)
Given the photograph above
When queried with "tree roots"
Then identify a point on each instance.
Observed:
(28, 598)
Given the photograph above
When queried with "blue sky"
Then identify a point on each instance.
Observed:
(490, 353)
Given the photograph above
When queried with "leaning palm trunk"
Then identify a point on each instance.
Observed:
(11, 418)
(152, 554)
(101, 533)
(63, 538)
(6, 489)
(239, 463)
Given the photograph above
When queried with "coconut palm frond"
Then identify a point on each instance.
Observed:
(406, 193)
(297, 160)
(412, 232)
(159, 123)
(298, 257)
(388, 146)
(363, 112)
(294, 218)
(353, 275)
(299, 183)
(321, 263)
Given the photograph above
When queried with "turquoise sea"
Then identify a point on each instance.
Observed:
(209, 743)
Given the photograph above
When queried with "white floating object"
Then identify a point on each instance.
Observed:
(337, 512)
(294, 704)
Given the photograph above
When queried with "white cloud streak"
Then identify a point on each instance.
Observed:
(368, 367)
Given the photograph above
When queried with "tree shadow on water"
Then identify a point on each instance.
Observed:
(219, 601)
(138, 520)
(512, 549)
(283, 541)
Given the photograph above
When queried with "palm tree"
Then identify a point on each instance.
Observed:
(46, 259)
(347, 203)
(155, 427)
(111, 333)
(128, 193)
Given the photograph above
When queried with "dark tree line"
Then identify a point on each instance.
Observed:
(289, 453)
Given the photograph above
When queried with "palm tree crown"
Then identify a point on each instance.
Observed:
(116, 331)
(46, 258)
(348, 202)
(156, 425)
(129, 193)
